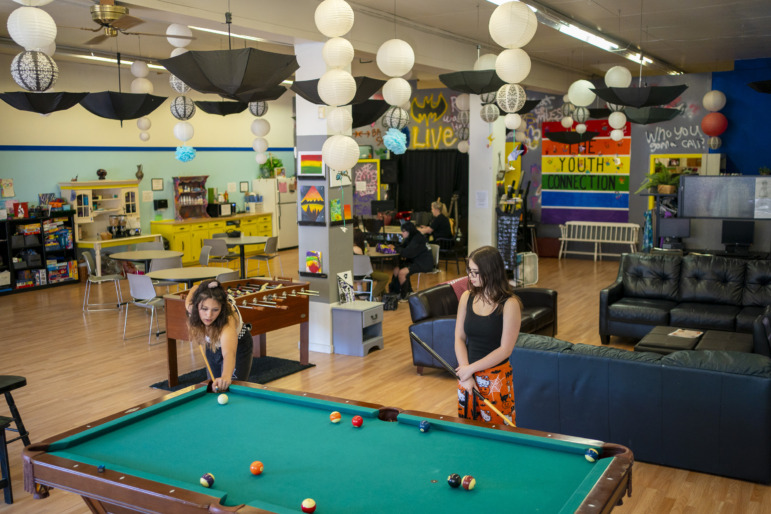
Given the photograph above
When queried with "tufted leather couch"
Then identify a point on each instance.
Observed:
(433, 313)
(696, 291)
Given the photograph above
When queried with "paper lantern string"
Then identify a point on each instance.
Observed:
(185, 153)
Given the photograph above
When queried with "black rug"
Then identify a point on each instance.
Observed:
(264, 370)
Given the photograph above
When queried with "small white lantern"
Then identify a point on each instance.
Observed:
(580, 93)
(339, 121)
(178, 51)
(715, 142)
(511, 97)
(34, 71)
(32, 28)
(337, 52)
(617, 135)
(139, 69)
(567, 108)
(258, 108)
(395, 58)
(580, 114)
(144, 136)
(520, 136)
(334, 18)
(464, 117)
(182, 108)
(336, 87)
(462, 133)
(397, 91)
(340, 152)
(177, 85)
(513, 66)
(396, 117)
(260, 127)
(581, 128)
(462, 102)
(261, 158)
(714, 100)
(618, 76)
(183, 131)
(260, 145)
(144, 123)
(567, 121)
(485, 62)
(173, 33)
(463, 146)
(141, 85)
(512, 25)
(489, 113)
(512, 121)
(617, 120)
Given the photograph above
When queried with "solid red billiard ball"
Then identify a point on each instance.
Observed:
(468, 482)
(357, 421)
(308, 505)
(256, 468)
(335, 417)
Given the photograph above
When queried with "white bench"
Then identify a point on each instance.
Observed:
(598, 232)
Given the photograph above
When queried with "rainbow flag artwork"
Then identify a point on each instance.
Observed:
(311, 164)
(312, 204)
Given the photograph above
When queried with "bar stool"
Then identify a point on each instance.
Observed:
(7, 384)
(5, 469)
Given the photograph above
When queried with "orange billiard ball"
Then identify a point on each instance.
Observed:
(256, 468)
(335, 417)
(308, 505)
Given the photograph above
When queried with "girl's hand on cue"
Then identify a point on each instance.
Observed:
(468, 385)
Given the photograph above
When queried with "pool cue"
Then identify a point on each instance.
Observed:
(206, 361)
(452, 371)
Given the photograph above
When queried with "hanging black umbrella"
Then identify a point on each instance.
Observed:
(761, 86)
(41, 103)
(121, 106)
(472, 81)
(261, 95)
(365, 87)
(571, 138)
(599, 114)
(229, 73)
(529, 106)
(222, 108)
(368, 112)
(648, 115)
(640, 96)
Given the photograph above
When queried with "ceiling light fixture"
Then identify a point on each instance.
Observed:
(111, 60)
(223, 33)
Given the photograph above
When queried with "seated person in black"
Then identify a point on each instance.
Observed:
(440, 226)
(416, 257)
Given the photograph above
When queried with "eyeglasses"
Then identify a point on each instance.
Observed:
(472, 272)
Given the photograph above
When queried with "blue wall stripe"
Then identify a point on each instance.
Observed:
(30, 148)
(584, 199)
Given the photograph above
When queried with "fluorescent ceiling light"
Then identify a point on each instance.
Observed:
(223, 33)
(588, 37)
(636, 58)
(112, 60)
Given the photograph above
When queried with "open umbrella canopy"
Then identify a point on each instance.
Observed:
(599, 113)
(121, 106)
(229, 73)
(647, 115)
(472, 81)
(529, 106)
(221, 108)
(571, 138)
(368, 112)
(42, 103)
(365, 87)
(260, 95)
(640, 96)
(761, 86)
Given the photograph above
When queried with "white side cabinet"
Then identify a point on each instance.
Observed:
(357, 327)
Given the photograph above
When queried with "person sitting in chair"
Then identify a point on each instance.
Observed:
(416, 258)
(440, 226)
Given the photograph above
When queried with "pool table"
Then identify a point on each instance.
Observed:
(154, 455)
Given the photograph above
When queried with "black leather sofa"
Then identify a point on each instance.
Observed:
(696, 291)
(707, 411)
(433, 313)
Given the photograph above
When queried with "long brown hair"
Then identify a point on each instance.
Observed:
(495, 286)
(196, 328)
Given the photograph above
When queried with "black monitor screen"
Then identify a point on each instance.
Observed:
(675, 227)
(379, 206)
(738, 232)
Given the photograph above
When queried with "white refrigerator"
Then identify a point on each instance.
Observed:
(282, 205)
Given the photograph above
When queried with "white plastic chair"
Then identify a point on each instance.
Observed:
(143, 295)
(96, 279)
(219, 251)
(229, 276)
(165, 263)
(435, 254)
(362, 271)
(270, 253)
(152, 245)
(203, 259)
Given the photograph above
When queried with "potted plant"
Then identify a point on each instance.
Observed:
(662, 179)
(269, 168)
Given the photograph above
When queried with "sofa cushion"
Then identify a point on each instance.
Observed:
(746, 318)
(650, 276)
(708, 279)
(704, 316)
(543, 343)
(757, 284)
(535, 318)
(439, 300)
(607, 352)
(641, 310)
(725, 362)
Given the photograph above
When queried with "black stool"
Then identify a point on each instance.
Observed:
(5, 469)
(7, 384)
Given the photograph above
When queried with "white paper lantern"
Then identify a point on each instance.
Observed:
(618, 76)
(463, 146)
(462, 102)
(336, 87)
(580, 114)
(520, 136)
(340, 152)
(258, 108)
(260, 145)
(144, 136)
(512, 25)
(261, 158)
(333, 18)
(512, 121)
(567, 121)
(511, 97)
(715, 142)
(615, 107)
(565, 99)
(396, 117)
(177, 85)
(580, 93)
(144, 123)
(617, 120)
(464, 117)
(183, 131)
(489, 113)
(581, 128)
(33, 3)
(395, 57)
(485, 62)
(487, 98)
(617, 135)
(513, 66)
(34, 71)
(714, 100)
(339, 120)
(178, 51)
(139, 69)
(567, 109)
(32, 28)
(173, 33)
(50, 50)
(337, 52)
(260, 127)
(141, 85)
(397, 91)
(182, 108)
(462, 133)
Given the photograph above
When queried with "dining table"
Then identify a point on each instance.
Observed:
(189, 274)
(144, 256)
(241, 242)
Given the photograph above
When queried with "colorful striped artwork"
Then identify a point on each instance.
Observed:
(310, 164)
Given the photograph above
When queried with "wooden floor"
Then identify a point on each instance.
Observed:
(79, 368)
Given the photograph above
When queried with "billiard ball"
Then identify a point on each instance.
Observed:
(222, 399)
(308, 505)
(468, 482)
(357, 421)
(424, 426)
(592, 455)
(256, 468)
(207, 480)
(454, 480)
(100, 469)
(335, 417)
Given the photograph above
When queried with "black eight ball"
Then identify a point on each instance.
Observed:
(454, 480)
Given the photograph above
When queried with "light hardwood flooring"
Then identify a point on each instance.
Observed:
(79, 369)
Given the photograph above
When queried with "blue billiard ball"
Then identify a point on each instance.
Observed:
(592, 455)
(424, 426)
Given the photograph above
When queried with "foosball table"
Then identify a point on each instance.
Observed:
(268, 304)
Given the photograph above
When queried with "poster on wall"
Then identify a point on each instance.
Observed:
(310, 165)
(312, 204)
(366, 179)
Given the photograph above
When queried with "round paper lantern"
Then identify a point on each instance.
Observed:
(485, 62)
(462, 102)
(463, 146)
(144, 136)
(175, 30)
(489, 113)
(396, 117)
(715, 143)
(581, 128)
(714, 124)
(333, 18)
(139, 69)
(512, 121)
(463, 117)
(617, 120)
(567, 109)
(143, 123)
(261, 158)
(615, 107)
(565, 99)
(182, 108)
(462, 133)
(183, 131)
(260, 145)
(340, 120)
(487, 98)
(520, 136)
(177, 85)
(260, 127)
(580, 114)
(512, 25)
(617, 135)
(32, 28)
(618, 76)
(395, 57)
(336, 87)
(714, 100)
(567, 121)
(141, 85)
(580, 93)
(337, 52)
(513, 66)
(397, 91)
(340, 152)
(510, 97)
(178, 51)
(34, 71)
(258, 108)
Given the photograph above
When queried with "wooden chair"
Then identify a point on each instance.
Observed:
(99, 279)
(270, 253)
(435, 254)
(143, 295)
(449, 249)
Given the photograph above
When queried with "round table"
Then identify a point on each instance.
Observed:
(242, 241)
(188, 275)
(382, 257)
(144, 256)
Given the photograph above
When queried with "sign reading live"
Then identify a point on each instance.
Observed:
(586, 181)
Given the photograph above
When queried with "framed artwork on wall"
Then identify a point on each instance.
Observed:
(244, 187)
(157, 184)
(310, 165)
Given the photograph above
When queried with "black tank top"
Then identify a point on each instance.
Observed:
(483, 333)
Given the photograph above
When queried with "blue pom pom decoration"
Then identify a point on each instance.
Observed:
(185, 153)
(395, 141)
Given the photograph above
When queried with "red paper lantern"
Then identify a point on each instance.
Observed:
(714, 124)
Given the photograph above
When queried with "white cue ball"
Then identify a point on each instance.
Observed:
(222, 399)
